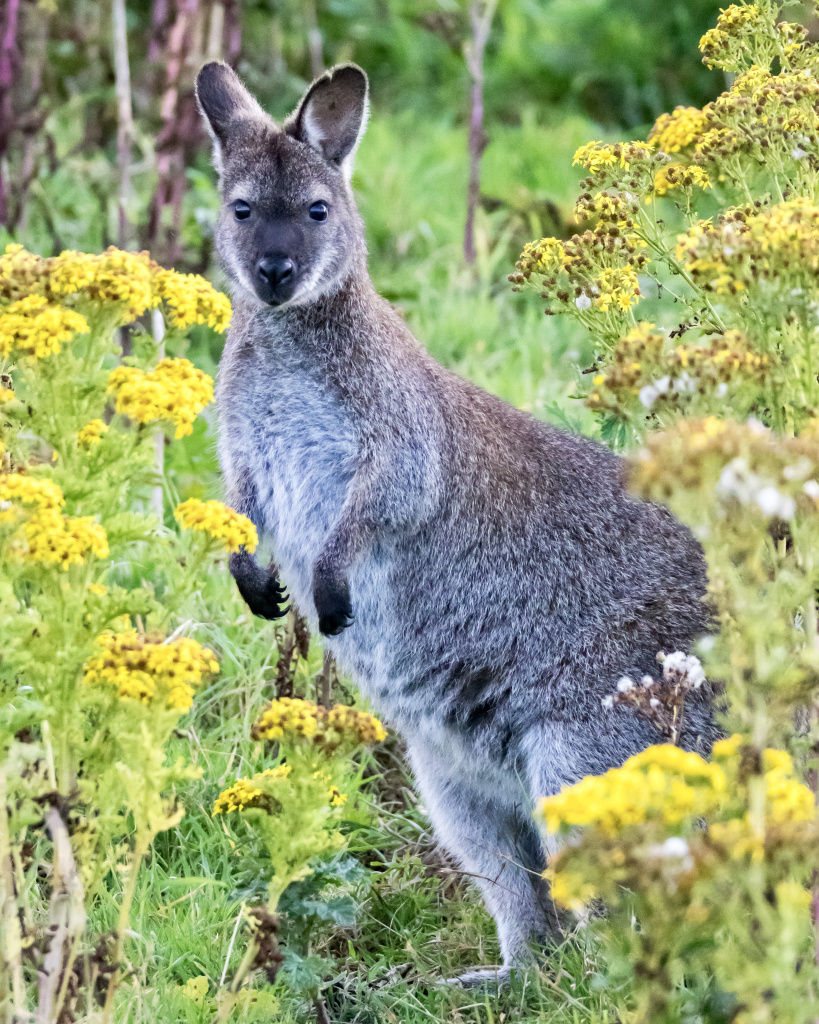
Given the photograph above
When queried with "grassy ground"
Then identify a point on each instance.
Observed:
(378, 928)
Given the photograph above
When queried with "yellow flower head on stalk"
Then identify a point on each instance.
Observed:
(36, 329)
(670, 785)
(175, 391)
(618, 287)
(570, 889)
(30, 490)
(600, 156)
(129, 283)
(232, 529)
(6, 395)
(20, 273)
(775, 248)
(91, 434)
(725, 45)
(661, 782)
(192, 300)
(544, 257)
(292, 720)
(148, 668)
(51, 538)
(678, 130)
(337, 798)
(250, 793)
(679, 176)
(114, 278)
(613, 208)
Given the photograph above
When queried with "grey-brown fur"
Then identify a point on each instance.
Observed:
(484, 578)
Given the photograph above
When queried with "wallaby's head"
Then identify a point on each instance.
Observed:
(288, 230)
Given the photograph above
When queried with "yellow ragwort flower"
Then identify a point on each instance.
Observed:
(91, 434)
(570, 888)
(661, 782)
(679, 176)
(192, 300)
(30, 490)
(678, 130)
(148, 668)
(601, 156)
(290, 719)
(249, 793)
(175, 391)
(232, 529)
(618, 287)
(36, 329)
(51, 538)
(6, 395)
(113, 278)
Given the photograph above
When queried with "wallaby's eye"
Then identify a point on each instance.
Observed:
(241, 211)
(318, 211)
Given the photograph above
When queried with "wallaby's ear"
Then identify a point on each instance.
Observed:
(224, 102)
(333, 114)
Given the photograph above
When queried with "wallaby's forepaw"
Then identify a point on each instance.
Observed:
(331, 595)
(259, 586)
(483, 977)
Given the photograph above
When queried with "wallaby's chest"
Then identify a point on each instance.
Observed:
(299, 443)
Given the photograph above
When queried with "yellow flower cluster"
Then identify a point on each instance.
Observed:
(148, 668)
(20, 273)
(722, 46)
(544, 257)
(30, 490)
(598, 268)
(679, 176)
(775, 248)
(232, 529)
(6, 395)
(127, 282)
(248, 793)
(175, 391)
(91, 434)
(668, 785)
(570, 888)
(117, 278)
(678, 130)
(601, 156)
(290, 719)
(642, 371)
(36, 329)
(617, 208)
(54, 539)
(626, 166)
(766, 472)
(662, 782)
(192, 300)
(618, 287)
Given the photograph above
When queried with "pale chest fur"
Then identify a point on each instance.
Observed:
(300, 449)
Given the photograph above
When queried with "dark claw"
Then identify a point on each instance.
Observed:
(332, 599)
(259, 586)
(332, 625)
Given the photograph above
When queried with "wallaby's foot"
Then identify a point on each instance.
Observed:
(482, 977)
(259, 586)
(332, 598)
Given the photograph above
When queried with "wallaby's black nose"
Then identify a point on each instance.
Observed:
(275, 269)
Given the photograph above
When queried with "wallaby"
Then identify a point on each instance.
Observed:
(484, 578)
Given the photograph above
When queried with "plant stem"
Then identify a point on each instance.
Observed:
(11, 922)
(140, 849)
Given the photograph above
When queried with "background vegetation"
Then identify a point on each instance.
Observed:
(367, 937)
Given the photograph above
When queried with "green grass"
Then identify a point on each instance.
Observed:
(379, 930)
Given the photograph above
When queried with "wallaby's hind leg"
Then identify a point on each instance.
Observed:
(495, 841)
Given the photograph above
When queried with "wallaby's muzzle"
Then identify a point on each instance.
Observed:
(276, 278)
